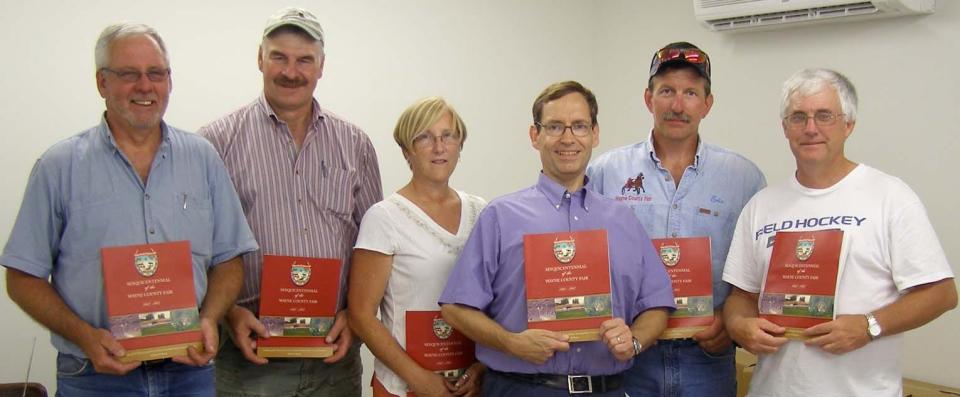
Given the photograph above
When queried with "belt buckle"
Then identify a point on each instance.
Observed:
(579, 384)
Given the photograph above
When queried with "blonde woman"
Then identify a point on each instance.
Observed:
(406, 246)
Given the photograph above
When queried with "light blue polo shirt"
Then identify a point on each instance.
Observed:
(707, 202)
(83, 194)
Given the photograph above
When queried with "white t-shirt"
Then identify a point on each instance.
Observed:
(892, 247)
(423, 255)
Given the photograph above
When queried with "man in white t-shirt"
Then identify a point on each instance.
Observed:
(896, 276)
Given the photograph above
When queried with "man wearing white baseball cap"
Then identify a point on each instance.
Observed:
(305, 178)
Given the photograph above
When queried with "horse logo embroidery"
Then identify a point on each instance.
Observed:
(634, 184)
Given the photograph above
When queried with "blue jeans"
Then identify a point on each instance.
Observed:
(76, 377)
(286, 377)
(676, 368)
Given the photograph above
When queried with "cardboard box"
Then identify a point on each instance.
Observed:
(915, 388)
(746, 362)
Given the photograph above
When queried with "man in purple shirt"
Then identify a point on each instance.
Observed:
(485, 297)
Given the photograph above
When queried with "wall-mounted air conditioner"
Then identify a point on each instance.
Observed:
(721, 15)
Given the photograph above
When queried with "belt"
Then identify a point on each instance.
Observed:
(155, 363)
(575, 384)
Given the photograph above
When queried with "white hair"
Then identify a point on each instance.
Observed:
(101, 52)
(809, 82)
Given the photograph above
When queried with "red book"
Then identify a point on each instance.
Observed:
(800, 283)
(688, 264)
(151, 302)
(435, 345)
(298, 303)
(568, 282)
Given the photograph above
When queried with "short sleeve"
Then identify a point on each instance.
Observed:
(378, 230)
(35, 240)
(742, 268)
(915, 252)
(471, 280)
(232, 236)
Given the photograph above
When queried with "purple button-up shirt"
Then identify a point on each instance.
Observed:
(489, 274)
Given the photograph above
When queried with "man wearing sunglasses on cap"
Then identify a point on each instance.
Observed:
(895, 278)
(680, 186)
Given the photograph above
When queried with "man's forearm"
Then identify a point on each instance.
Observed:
(223, 285)
(739, 304)
(920, 305)
(45, 305)
(477, 326)
(648, 326)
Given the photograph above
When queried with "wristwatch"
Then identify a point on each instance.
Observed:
(873, 326)
(637, 347)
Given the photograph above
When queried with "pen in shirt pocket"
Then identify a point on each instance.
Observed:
(323, 168)
(184, 201)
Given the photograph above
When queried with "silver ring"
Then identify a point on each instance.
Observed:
(619, 341)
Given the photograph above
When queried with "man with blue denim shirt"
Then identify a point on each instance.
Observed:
(680, 186)
(130, 180)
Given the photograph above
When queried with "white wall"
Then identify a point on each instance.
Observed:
(490, 59)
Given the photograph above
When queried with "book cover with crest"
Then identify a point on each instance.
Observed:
(568, 282)
(151, 301)
(298, 304)
(687, 261)
(435, 345)
(800, 283)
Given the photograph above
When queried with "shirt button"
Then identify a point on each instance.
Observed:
(147, 196)
(152, 231)
(666, 178)
(576, 218)
(558, 206)
(675, 206)
(578, 350)
(674, 235)
(566, 195)
(296, 172)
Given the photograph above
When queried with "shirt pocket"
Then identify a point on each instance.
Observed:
(334, 192)
(90, 221)
(712, 218)
(193, 213)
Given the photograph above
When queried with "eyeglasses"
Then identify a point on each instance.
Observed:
(557, 129)
(133, 76)
(691, 55)
(427, 140)
(822, 118)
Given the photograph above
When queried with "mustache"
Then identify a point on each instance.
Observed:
(671, 116)
(286, 82)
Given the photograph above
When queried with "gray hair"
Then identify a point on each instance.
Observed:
(809, 82)
(101, 53)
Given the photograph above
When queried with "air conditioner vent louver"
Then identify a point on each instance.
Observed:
(723, 15)
(795, 16)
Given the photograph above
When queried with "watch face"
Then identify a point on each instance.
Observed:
(874, 329)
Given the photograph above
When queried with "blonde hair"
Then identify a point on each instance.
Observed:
(421, 116)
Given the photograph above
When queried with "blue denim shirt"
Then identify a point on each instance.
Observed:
(707, 202)
(83, 194)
